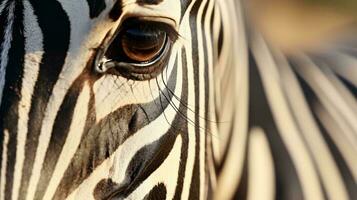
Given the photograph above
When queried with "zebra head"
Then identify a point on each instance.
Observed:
(168, 99)
(108, 99)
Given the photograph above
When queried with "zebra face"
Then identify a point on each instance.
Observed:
(104, 99)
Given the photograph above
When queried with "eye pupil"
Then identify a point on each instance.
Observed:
(142, 45)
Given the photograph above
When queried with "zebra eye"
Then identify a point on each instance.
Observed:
(139, 51)
(142, 45)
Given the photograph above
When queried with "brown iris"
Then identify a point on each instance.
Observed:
(142, 45)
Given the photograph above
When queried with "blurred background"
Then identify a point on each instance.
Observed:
(297, 24)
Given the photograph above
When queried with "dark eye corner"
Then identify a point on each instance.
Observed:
(139, 50)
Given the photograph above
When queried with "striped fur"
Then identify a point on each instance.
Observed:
(230, 117)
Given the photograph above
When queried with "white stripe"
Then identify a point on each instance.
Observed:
(329, 173)
(214, 93)
(288, 130)
(347, 150)
(345, 65)
(4, 164)
(5, 46)
(346, 94)
(72, 141)
(223, 73)
(236, 91)
(75, 62)
(329, 97)
(211, 117)
(261, 176)
(185, 29)
(33, 56)
(2, 5)
(202, 97)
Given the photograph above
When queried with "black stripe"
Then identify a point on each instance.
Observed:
(104, 188)
(55, 27)
(223, 161)
(260, 115)
(352, 88)
(3, 23)
(157, 193)
(148, 2)
(116, 11)
(149, 158)
(59, 136)
(96, 7)
(346, 174)
(184, 6)
(195, 181)
(348, 179)
(220, 40)
(321, 60)
(207, 132)
(184, 128)
(208, 121)
(143, 163)
(100, 140)
(11, 93)
(212, 20)
(242, 188)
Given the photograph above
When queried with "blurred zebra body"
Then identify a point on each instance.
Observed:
(228, 117)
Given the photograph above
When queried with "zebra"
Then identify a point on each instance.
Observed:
(168, 99)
